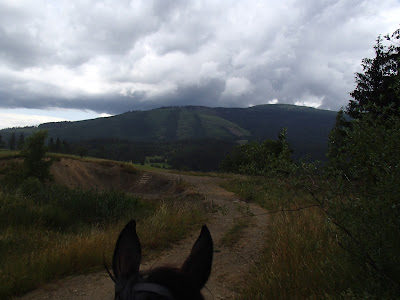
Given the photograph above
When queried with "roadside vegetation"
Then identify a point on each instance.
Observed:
(301, 257)
(235, 233)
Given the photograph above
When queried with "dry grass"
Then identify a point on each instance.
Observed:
(7, 154)
(170, 223)
(235, 233)
(301, 258)
(51, 256)
(35, 255)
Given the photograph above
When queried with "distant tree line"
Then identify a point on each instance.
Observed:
(59, 146)
(196, 154)
(191, 154)
(2, 143)
(13, 143)
(199, 155)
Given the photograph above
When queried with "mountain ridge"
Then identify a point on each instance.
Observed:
(308, 128)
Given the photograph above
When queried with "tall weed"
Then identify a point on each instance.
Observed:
(301, 260)
(171, 222)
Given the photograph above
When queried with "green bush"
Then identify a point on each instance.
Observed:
(364, 171)
(35, 162)
(365, 201)
(266, 158)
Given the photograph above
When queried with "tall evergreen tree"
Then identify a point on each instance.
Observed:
(58, 146)
(12, 142)
(2, 144)
(378, 86)
(21, 141)
(65, 147)
(50, 145)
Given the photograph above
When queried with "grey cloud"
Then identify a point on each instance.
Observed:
(109, 34)
(109, 31)
(184, 31)
(206, 93)
(13, 50)
(19, 47)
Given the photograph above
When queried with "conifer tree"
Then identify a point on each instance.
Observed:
(378, 86)
(12, 142)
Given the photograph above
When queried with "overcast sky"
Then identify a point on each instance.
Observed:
(69, 60)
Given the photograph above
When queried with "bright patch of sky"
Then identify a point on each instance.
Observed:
(273, 101)
(21, 117)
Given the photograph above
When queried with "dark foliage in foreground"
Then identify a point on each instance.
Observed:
(364, 171)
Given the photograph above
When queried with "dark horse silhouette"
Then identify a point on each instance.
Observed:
(162, 283)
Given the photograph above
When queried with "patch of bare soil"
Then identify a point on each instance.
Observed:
(230, 264)
(105, 175)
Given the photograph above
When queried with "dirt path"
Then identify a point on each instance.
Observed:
(229, 264)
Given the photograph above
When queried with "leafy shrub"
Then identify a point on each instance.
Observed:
(366, 203)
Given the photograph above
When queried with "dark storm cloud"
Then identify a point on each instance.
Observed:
(116, 56)
(206, 93)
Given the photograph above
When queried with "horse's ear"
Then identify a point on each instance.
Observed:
(198, 265)
(127, 253)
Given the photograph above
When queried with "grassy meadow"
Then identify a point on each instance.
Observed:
(9, 154)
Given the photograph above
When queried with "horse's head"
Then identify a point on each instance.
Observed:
(161, 283)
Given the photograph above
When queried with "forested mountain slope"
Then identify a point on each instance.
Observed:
(307, 128)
